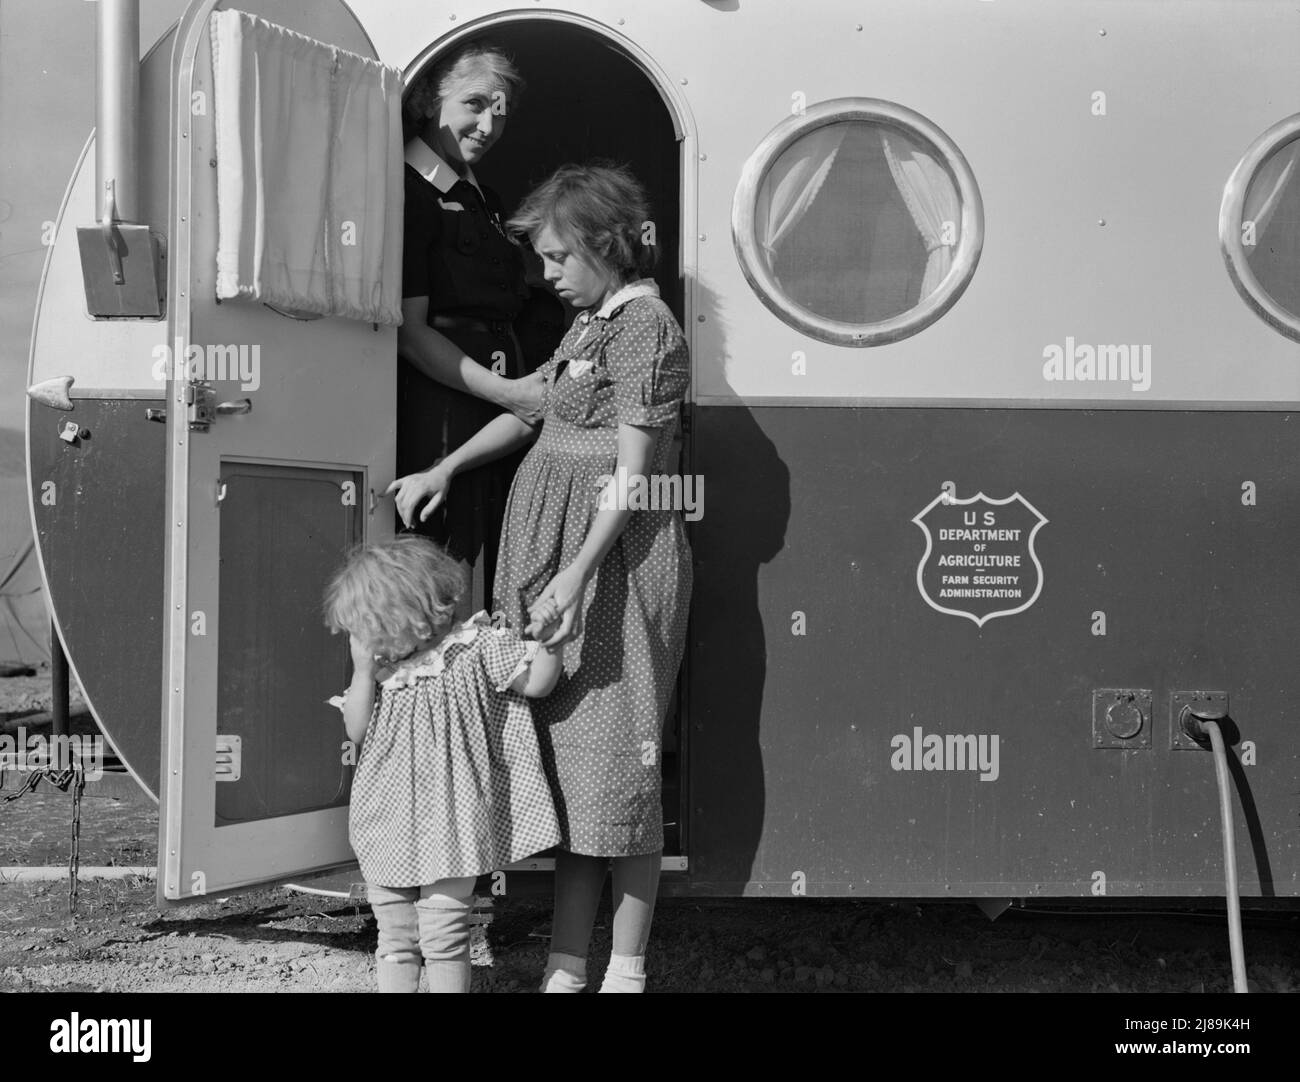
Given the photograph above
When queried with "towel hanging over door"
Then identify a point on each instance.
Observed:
(309, 172)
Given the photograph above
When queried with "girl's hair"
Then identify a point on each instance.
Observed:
(600, 209)
(478, 59)
(394, 594)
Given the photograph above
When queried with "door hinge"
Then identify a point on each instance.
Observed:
(230, 756)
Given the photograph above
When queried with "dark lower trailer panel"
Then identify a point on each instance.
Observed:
(835, 711)
(99, 504)
(842, 735)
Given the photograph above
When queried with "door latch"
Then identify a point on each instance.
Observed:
(200, 405)
(202, 408)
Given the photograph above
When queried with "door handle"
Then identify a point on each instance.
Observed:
(235, 406)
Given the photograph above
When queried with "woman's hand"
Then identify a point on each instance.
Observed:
(566, 592)
(429, 488)
(523, 397)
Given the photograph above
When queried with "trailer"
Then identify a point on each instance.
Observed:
(993, 311)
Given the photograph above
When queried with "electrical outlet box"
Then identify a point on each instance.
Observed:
(1211, 702)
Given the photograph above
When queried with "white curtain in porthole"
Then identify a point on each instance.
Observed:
(792, 184)
(1266, 190)
(931, 199)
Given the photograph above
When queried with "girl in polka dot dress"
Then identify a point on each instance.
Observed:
(449, 783)
(619, 576)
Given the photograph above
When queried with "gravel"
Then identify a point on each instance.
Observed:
(273, 940)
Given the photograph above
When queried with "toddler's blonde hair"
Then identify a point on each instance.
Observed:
(394, 594)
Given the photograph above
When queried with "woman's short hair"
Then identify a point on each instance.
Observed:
(481, 58)
(600, 209)
(394, 594)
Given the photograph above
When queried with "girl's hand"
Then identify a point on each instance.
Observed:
(363, 656)
(543, 620)
(429, 488)
(566, 592)
(523, 397)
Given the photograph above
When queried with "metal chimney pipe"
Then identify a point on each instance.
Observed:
(117, 110)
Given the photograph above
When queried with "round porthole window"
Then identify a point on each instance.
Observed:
(858, 222)
(1259, 226)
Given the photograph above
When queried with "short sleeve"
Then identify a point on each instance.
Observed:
(504, 655)
(420, 227)
(648, 363)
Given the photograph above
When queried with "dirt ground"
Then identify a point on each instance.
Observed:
(19, 694)
(277, 940)
(272, 940)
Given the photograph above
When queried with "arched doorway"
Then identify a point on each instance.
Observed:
(588, 98)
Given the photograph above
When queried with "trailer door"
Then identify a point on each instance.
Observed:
(277, 451)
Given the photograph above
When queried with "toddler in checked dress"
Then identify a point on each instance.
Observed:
(449, 784)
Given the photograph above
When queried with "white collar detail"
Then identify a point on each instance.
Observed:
(430, 164)
(644, 287)
(430, 662)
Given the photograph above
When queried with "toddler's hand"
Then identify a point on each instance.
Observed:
(543, 619)
(363, 655)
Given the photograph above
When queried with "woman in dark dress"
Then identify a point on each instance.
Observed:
(463, 287)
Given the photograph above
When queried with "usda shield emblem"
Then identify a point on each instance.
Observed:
(979, 559)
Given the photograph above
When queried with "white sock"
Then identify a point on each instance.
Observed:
(564, 973)
(626, 973)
